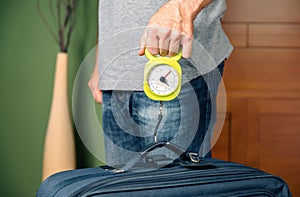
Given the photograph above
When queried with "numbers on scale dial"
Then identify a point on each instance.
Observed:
(163, 79)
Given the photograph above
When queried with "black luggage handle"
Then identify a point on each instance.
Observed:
(186, 159)
(169, 145)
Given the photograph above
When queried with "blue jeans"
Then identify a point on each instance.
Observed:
(129, 119)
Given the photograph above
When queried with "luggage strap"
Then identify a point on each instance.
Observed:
(186, 158)
(173, 147)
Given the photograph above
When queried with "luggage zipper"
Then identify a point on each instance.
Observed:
(131, 182)
(141, 185)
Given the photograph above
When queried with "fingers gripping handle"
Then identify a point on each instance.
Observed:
(176, 57)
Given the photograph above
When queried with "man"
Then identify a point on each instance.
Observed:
(129, 116)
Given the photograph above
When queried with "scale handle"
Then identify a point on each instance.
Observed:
(150, 56)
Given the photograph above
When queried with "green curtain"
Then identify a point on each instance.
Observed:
(27, 55)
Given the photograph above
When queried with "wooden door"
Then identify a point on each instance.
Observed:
(262, 79)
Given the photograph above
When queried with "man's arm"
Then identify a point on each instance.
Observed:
(172, 26)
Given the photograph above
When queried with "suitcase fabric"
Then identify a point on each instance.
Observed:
(212, 178)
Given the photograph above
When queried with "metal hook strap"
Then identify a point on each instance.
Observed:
(160, 117)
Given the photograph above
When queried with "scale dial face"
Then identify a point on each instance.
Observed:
(163, 80)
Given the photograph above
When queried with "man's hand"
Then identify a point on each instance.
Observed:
(93, 85)
(172, 26)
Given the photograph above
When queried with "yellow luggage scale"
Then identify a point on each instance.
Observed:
(162, 77)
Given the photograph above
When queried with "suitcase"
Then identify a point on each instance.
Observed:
(187, 176)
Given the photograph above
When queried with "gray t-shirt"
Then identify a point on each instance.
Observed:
(121, 24)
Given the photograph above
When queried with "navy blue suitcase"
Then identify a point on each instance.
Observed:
(183, 177)
(223, 180)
